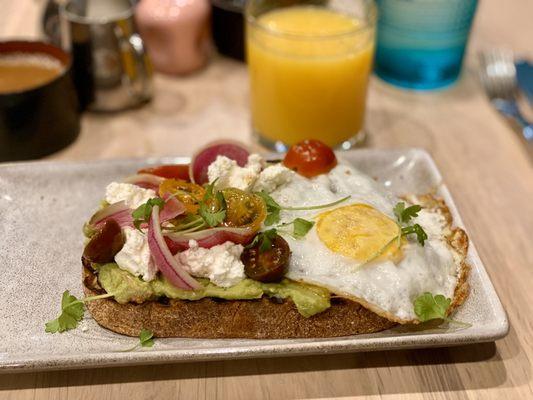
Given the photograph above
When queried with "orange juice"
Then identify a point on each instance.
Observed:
(309, 69)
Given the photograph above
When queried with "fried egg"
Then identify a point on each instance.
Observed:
(355, 248)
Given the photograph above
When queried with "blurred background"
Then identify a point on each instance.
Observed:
(191, 86)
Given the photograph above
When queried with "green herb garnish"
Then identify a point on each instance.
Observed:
(274, 209)
(300, 227)
(213, 206)
(264, 239)
(142, 213)
(404, 215)
(429, 307)
(146, 339)
(334, 203)
(72, 311)
(421, 235)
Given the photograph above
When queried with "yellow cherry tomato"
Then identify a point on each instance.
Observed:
(243, 209)
(190, 194)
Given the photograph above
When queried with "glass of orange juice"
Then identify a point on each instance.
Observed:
(309, 64)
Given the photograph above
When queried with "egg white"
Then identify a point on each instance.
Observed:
(384, 287)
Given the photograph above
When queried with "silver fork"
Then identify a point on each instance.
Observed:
(498, 77)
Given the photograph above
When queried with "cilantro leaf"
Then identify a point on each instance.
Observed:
(273, 208)
(269, 201)
(142, 213)
(398, 210)
(421, 235)
(146, 338)
(272, 217)
(403, 214)
(264, 239)
(428, 307)
(71, 313)
(212, 218)
(213, 206)
(301, 227)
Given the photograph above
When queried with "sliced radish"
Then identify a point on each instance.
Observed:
(206, 155)
(146, 181)
(168, 171)
(169, 266)
(208, 238)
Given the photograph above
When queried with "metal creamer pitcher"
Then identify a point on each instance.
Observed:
(111, 70)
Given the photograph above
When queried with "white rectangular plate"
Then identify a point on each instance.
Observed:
(43, 206)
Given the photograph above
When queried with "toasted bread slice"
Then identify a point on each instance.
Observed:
(264, 318)
(215, 319)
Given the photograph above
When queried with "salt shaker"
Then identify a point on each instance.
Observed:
(176, 33)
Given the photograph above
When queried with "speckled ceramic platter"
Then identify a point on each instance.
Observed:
(43, 206)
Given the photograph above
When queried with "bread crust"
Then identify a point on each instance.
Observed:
(215, 319)
(263, 318)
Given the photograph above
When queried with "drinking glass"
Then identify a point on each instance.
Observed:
(421, 43)
(309, 63)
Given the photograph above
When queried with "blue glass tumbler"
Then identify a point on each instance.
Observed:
(421, 43)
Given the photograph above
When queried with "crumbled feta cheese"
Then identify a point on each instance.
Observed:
(133, 195)
(134, 256)
(273, 177)
(229, 174)
(221, 264)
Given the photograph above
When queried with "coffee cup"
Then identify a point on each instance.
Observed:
(39, 111)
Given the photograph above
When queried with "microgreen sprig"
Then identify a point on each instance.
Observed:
(274, 208)
(213, 206)
(300, 227)
(146, 339)
(264, 239)
(404, 215)
(72, 310)
(142, 213)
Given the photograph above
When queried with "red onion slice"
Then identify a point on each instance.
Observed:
(173, 207)
(120, 212)
(209, 238)
(206, 155)
(169, 266)
(146, 181)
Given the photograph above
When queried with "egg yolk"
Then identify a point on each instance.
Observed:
(360, 232)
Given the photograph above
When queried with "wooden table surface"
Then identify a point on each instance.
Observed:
(483, 164)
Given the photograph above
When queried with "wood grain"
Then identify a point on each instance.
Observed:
(483, 164)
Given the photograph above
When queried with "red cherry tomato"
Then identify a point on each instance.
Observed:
(176, 171)
(310, 158)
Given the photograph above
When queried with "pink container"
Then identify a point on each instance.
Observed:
(176, 33)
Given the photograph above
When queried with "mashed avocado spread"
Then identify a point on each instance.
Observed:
(309, 300)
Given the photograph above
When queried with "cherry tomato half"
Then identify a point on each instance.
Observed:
(267, 266)
(310, 158)
(176, 171)
(190, 194)
(243, 209)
